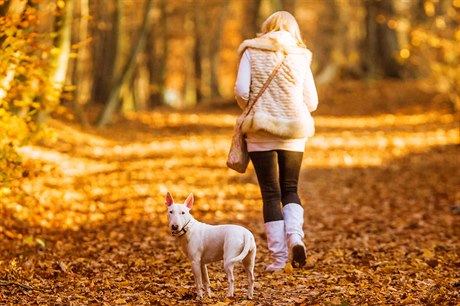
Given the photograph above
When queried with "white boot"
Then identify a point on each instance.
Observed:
(276, 240)
(293, 220)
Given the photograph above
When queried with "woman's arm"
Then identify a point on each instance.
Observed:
(309, 92)
(243, 80)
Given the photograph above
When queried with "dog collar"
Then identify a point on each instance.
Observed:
(184, 229)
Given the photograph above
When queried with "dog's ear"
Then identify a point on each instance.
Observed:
(169, 199)
(189, 201)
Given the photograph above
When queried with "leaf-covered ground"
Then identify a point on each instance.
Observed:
(380, 186)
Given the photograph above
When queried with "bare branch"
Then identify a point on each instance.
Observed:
(8, 283)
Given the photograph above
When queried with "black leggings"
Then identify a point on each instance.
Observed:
(278, 175)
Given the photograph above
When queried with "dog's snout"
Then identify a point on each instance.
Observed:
(174, 227)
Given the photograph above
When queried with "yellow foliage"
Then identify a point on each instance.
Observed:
(435, 46)
(25, 90)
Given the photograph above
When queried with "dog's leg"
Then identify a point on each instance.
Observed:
(228, 266)
(248, 264)
(204, 273)
(196, 269)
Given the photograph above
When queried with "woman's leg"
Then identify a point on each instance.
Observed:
(266, 166)
(289, 169)
(289, 165)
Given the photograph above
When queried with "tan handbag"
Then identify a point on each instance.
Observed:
(238, 156)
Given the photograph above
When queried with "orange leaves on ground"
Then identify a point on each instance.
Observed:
(379, 185)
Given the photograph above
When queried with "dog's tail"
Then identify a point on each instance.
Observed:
(248, 242)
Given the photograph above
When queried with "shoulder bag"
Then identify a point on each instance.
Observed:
(238, 156)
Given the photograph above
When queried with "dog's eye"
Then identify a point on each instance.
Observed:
(183, 213)
(170, 211)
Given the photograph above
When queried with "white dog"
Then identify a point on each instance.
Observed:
(204, 243)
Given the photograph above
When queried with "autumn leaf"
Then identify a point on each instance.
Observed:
(288, 268)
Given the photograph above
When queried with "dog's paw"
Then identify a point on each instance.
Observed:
(199, 296)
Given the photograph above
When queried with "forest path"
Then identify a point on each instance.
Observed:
(380, 186)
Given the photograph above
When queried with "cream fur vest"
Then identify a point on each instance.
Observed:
(281, 110)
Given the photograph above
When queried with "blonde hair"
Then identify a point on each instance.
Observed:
(282, 20)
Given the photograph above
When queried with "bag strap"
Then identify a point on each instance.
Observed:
(267, 82)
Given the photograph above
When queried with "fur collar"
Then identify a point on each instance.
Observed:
(271, 44)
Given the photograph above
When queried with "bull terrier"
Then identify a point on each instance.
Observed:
(204, 243)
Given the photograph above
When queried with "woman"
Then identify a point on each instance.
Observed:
(277, 128)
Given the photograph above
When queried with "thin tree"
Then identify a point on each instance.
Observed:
(381, 43)
(82, 73)
(126, 73)
(289, 5)
(198, 49)
(60, 61)
(105, 49)
(215, 49)
(251, 18)
(157, 51)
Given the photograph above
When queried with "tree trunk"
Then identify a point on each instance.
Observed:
(158, 48)
(289, 5)
(140, 84)
(328, 61)
(82, 74)
(215, 49)
(126, 73)
(389, 46)
(277, 5)
(13, 8)
(251, 19)
(381, 43)
(198, 50)
(370, 46)
(418, 11)
(104, 48)
(190, 82)
(62, 43)
(61, 61)
(118, 38)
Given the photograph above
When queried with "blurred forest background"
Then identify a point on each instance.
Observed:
(96, 59)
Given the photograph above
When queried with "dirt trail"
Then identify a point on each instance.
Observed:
(380, 185)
